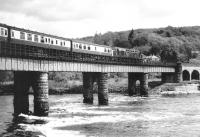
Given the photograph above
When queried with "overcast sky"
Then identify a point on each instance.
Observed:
(78, 18)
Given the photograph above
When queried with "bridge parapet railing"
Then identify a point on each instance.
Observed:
(41, 53)
(160, 63)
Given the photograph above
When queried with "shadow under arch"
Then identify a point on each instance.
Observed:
(195, 75)
(186, 75)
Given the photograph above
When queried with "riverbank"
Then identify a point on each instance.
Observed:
(177, 89)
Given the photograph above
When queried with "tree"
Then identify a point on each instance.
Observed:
(168, 54)
(6, 76)
(131, 36)
(155, 50)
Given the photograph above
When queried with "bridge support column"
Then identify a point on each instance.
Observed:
(173, 77)
(87, 87)
(131, 84)
(103, 88)
(143, 78)
(168, 77)
(144, 84)
(178, 72)
(21, 88)
(40, 87)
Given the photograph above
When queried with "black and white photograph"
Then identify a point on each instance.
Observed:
(99, 68)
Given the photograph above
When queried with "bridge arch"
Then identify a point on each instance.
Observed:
(137, 88)
(137, 82)
(186, 75)
(195, 75)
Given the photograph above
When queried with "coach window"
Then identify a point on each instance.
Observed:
(22, 35)
(56, 41)
(49, 40)
(29, 37)
(61, 43)
(84, 47)
(46, 40)
(36, 38)
(95, 48)
(12, 34)
(88, 47)
(2, 32)
(52, 42)
(80, 46)
(105, 50)
(77, 46)
(42, 39)
(64, 43)
(6, 32)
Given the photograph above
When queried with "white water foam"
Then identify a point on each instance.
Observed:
(51, 128)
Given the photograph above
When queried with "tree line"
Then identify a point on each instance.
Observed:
(180, 43)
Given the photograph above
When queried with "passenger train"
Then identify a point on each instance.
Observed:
(33, 38)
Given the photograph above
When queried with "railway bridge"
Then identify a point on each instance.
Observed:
(31, 66)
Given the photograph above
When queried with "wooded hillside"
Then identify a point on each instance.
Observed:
(183, 40)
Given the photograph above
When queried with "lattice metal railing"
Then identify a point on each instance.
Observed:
(44, 53)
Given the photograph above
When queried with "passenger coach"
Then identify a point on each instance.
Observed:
(34, 44)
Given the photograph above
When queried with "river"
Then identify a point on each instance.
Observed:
(125, 116)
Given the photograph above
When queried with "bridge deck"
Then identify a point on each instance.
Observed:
(21, 57)
(17, 64)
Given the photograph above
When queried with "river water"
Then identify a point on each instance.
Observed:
(125, 116)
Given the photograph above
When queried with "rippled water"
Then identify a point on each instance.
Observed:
(125, 116)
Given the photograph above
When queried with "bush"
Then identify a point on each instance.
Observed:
(6, 76)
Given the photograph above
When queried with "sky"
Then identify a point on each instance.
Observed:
(80, 18)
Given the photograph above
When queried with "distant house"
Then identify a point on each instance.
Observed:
(154, 58)
(195, 53)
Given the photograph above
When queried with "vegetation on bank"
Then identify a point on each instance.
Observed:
(69, 82)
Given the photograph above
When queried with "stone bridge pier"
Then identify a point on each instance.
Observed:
(21, 88)
(23, 80)
(41, 93)
(175, 77)
(143, 78)
(88, 87)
